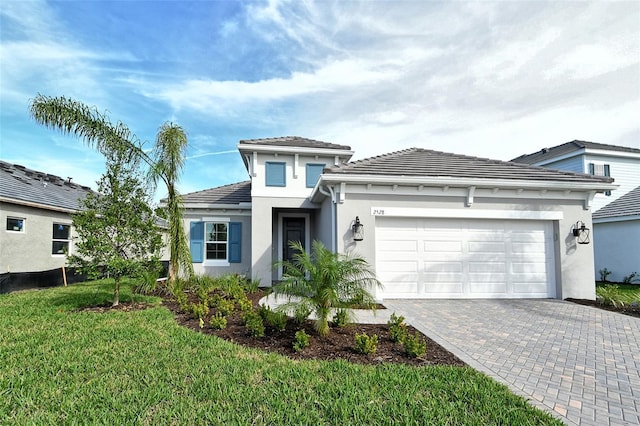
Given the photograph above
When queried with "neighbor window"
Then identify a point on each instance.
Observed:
(15, 224)
(215, 235)
(313, 173)
(600, 170)
(61, 238)
(275, 174)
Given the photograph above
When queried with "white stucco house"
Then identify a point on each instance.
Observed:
(433, 224)
(615, 222)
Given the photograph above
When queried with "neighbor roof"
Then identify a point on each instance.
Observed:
(234, 193)
(569, 147)
(627, 205)
(423, 162)
(22, 185)
(295, 141)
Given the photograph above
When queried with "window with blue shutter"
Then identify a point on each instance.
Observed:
(313, 173)
(196, 243)
(235, 242)
(275, 174)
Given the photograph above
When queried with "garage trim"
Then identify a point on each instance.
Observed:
(467, 213)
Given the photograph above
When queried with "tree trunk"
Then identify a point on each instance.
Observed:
(116, 293)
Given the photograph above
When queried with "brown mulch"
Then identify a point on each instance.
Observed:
(631, 310)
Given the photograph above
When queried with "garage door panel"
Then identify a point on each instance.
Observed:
(464, 258)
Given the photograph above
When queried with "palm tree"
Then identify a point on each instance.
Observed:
(324, 280)
(94, 128)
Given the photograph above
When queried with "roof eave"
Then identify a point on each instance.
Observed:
(38, 205)
(247, 148)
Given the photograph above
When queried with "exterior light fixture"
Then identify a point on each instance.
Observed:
(358, 230)
(581, 232)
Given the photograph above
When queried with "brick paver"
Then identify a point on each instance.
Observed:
(579, 363)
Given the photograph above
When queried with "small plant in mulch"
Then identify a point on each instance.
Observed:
(301, 341)
(253, 321)
(414, 345)
(341, 318)
(397, 328)
(218, 322)
(366, 344)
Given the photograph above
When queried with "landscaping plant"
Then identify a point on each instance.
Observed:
(341, 318)
(366, 344)
(324, 280)
(414, 345)
(301, 341)
(397, 328)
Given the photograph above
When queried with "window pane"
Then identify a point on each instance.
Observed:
(275, 174)
(60, 232)
(15, 224)
(313, 173)
(217, 251)
(59, 247)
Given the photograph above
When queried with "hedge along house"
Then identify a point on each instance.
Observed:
(35, 213)
(431, 224)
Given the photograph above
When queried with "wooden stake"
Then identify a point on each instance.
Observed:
(64, 276)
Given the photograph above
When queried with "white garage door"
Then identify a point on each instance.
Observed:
(461, 258)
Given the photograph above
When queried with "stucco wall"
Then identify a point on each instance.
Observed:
(30, 251)
(574, 263)
(617, 248)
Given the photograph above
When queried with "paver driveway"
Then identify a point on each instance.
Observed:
(580, 363)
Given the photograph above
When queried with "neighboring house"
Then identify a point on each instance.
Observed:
(617, 242)
(35, 213)
(613, 225)
(431, 224)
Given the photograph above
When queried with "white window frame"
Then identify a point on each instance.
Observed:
(216, 262)
(19, 231)
(61, 240)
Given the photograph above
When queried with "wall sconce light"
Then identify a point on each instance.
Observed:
(358, 230)
(581, 232)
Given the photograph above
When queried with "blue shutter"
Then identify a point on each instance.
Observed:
(313, 173)
(607, 172)
(275, 174)
(592, 169)
(197, 242)
(235, 242)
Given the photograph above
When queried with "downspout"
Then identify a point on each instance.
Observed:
(334, 229)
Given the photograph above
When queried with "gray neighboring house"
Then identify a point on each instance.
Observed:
(617, 246)
(431, 224)
(35, 213)
(613, 224)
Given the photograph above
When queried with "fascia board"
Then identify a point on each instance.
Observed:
(243, 206)
(467, 182)
(246, 148)
(616, 219)
(37, 205)
(609, 153)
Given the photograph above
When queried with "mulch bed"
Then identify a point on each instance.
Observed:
(633, 311)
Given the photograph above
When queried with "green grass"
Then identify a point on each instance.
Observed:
(61, 366)
(617, 294)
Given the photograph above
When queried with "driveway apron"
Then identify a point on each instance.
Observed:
(580, 363)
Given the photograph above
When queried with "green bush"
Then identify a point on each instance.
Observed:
(218, 322)
(225, 307)
(244, 304)
(341, 318)
(277, 320)
(397, 328)
(414, 345)
(301, 314)
(301, 341)
(253, 322)
(365, 344)
(199, 310)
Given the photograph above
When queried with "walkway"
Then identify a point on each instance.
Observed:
(580, 363)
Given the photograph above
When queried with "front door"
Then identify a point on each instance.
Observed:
(293, 229)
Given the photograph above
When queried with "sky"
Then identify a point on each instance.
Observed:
(490, 79)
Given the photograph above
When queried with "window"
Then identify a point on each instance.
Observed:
(313, 174)
(600, 170)
(60, 244)
(215, 235)
(275, 174)
(15, 224)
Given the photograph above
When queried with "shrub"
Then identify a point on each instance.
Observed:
(397, 328)
(301, 314)
(244, 304)
(609, 295)
(250, 286)
(199, 310)
(277, 320)
(225, 307)
(253, 322)
(218, 322)
(604, 274)
(414, 345)
(365, 344)
(301, 341)
(340, 318)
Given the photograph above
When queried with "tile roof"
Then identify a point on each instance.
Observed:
(22, 184)
(627, 205)
(566, 148)
(234, 193)
(423, 162)
(295, 141)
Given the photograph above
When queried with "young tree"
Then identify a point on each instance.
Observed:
(325, 280)
(116, 227)
(94, 128)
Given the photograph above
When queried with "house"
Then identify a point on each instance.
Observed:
(617, 242)
(613, 223)
(431, 224)
(35, 213)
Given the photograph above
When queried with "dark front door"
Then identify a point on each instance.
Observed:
(293, 230)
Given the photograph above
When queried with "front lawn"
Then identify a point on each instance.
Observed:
(60, 365)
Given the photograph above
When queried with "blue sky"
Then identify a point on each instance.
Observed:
(492, 79)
